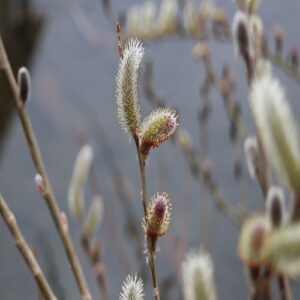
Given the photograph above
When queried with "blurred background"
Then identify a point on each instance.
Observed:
(69, 48)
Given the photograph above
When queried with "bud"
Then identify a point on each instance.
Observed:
(252, 156)
(127, 98)
(79, 177)
(282, 251)
(197, 272)
(276, 128)
(64, 222)
(241, 36)
(132, 289)
(252, 238)
(156, 128)
(275, 205)
(158, 217)
(278, 37)
(24, 83)
(40, 184)
(94, 217)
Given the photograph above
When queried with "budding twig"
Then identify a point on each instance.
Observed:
(26, 251)
(40, 168)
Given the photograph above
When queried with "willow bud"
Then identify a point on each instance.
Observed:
(79, 177)
(275, 206)
(132, 289)
(156, 128)
(252, 156)
(158, 217)
(281, 250)
(252, 238)
(198, 273)
(24, 83)
(94, 217)
(241, 35)
(127, 99)
(276, 128)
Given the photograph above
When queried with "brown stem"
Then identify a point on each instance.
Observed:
(151, 253)
(26, 251)
(39, 165)
(284, 289)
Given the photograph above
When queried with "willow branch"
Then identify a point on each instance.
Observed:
(197, 168)
(144, 200)
(39, 165)
(26, 251)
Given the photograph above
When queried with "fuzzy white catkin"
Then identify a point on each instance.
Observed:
(197, 272)
(127, 99)
(79, 177)
(276, 128)
(132, 289)
(282, 251)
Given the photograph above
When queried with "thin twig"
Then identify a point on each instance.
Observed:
(39, 165)
(26, 251)
(151, 253)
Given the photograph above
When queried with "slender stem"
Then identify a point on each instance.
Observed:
(284, 288)
(26, 251)
(39, 165)
(151, 253)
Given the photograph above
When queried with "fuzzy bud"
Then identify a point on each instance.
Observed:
(64, 222)
(275, 206)
(79, 177)
(24, 83)
(156, 128)
(158, 217)
(276, 128)
(127, 99)
(40, 184)
(241, 35)
(94, 217)
(252, 156)
(132, 289)
(282, 251)
(252, 239)
(198, 273)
